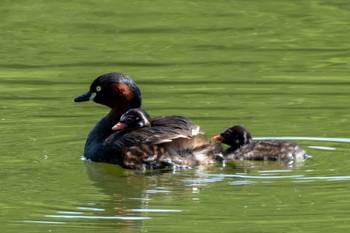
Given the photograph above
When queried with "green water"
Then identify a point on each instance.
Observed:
(279, 67)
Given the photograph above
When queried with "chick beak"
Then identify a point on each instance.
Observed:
(119, 126)
(218, 137)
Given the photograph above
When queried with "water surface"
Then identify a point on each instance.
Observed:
(278, 67)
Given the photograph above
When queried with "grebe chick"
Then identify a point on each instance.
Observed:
(242, 147)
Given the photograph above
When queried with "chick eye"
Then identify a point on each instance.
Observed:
(98, 88)
(129, 120)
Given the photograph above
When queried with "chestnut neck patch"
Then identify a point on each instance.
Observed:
(124, 91)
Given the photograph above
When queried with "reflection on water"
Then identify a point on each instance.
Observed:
(143, 196)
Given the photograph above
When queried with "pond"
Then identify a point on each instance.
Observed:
(278, 67)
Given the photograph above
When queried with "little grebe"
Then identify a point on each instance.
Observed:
(167, 141)
(156, 142)
(244, 148)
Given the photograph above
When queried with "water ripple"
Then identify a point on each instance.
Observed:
(204, 180)
(155, 210)
(98, 217)
(274, 171)
(92, 209)
(262, 176)
(305, 139)
(326, 178)
(43, 222)
(69, 212)
(322, 147)
(157, 191)
(241, 182)
(249, 179)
